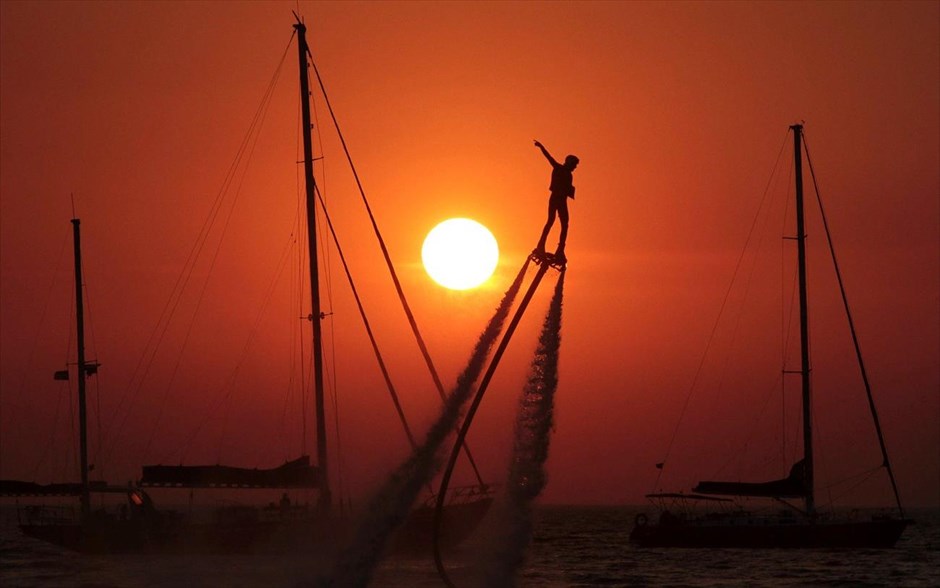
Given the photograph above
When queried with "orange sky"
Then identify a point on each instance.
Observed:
(677, 112)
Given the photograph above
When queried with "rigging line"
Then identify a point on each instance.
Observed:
(327, 285)
(786, 349)
(68, 464)
(340, 461)
(330, 375)
(205, 285)
(721, 310)
(169, 310)
(248, 146)
(324, 248)
(752, 432)
(332, 379)
(51, 438)
(155, 340)
(99, 462)
(760, 239)
(378, 234)
(856, 480)
(230, 384)
(289, 388)
(69, 455)
(301, 264)
(858, 350)
(90, 324)
(225, 226)
(527, 477)
(252, 335)
(293, 391)
(94, 344)
(475, 404)
(35, 343)
(751, 271)
(368, 327)
(786, 318)
(388, 260)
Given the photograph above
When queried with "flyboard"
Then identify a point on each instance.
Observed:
(544, 261)
(555, 260)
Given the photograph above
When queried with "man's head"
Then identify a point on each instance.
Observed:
(571, 162)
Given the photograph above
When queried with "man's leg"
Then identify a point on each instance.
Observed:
(563, 217)
(548, 225)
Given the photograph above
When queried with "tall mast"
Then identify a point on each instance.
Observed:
(325, 497)
(804, 324)
(80, 335)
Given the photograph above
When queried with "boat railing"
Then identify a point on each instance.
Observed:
(463, 495)
(677, 501)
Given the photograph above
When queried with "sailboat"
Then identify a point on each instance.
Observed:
(89, 529)
(708, 517)
(138, 526)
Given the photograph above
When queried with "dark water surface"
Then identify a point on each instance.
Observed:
(573, 546)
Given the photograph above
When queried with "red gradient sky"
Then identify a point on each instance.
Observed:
(677, 111)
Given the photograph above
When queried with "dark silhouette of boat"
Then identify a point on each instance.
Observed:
(681, 522)
(138, 526)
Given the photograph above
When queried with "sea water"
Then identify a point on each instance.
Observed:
(571, 546)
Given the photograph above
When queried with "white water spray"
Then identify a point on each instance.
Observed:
(503, 554)
(391, 505)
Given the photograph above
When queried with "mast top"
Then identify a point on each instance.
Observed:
(300, 26)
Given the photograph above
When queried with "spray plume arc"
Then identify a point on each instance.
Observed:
(389, 508)
(510, 532)
(544, 264)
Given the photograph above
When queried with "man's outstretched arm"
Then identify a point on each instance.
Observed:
(547, 155)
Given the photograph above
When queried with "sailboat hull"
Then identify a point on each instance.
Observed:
(458, 522)
(241, 531)
(754, 533)
(101, 536)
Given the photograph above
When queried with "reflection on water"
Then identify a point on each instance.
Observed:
(572, 546)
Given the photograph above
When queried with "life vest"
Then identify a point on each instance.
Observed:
(562, 181)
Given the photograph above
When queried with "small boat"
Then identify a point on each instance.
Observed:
(138, 526)
(710, 517)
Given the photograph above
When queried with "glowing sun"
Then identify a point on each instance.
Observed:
(460, 253)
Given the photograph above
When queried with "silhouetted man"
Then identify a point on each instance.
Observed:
(561, 189)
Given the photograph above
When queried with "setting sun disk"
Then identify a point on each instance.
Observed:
(460, 253)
